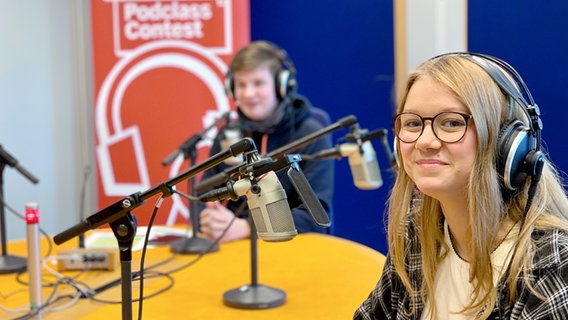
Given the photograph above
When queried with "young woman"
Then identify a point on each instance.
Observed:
(478, 217)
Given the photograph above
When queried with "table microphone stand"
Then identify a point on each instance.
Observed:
(124, 229)
(9, 263)
(194, 244)
(254, 295)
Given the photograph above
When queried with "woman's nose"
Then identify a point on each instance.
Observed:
(428, 139)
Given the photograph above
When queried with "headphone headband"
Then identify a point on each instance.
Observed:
(284, 79)
(518, 146)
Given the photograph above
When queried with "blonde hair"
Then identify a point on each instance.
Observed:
(487, 208)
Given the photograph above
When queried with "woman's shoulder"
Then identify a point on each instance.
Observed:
(550, 248)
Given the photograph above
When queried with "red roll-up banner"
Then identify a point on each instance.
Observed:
(159, 70)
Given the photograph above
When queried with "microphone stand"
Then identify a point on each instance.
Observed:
(9, 263)
(193, 244)
(254, 295)
(124, 229)
(123, 224)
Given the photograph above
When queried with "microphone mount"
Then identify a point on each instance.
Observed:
(362, 135)
(256, 169)
(358, 136)
(190, 145)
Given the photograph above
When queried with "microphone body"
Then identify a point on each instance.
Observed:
(230, 134)
(267, 202)
(362, 162)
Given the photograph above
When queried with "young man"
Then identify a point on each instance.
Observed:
(261, 80)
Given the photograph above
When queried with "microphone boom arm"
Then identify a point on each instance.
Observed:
(127, 204)
(221, 177)
(6, 158)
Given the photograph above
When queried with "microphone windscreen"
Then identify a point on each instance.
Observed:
(270, 211)
(275, 224)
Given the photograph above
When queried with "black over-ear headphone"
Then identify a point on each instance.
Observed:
(285, 79)
(518, 146)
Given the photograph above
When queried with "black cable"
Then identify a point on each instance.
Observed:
(530, 195)
(215, 243)
(135, 276)
(91, 293)
(52, 298)
(140, 274)
(143, 257)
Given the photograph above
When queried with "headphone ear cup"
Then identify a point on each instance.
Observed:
(513, 147)
(229, 86)
(285, 83)
(281, 83)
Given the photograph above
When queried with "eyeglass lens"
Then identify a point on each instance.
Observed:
(447, 126)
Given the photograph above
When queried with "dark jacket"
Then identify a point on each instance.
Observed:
(296, 122)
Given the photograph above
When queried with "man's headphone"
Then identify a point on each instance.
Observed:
(284, 80)
(518, 146)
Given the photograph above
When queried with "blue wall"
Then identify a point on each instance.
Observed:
(531, 36)
(343, 52)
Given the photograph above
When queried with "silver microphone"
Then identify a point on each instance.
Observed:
(267, 202)
(230, 134)
(362, 162)
(364, 165)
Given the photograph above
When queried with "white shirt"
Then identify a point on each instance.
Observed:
(452, 288)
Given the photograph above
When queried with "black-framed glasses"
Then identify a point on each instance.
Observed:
(448, 127)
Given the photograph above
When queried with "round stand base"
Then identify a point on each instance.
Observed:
(193, 246)
(12, 264)
(254, 297)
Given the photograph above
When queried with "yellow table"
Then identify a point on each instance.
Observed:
(324, 277)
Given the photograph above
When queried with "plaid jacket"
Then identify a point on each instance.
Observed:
(548, 275)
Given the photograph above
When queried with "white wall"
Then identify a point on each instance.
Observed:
(435, 27)
(42, 110)
(424, 29)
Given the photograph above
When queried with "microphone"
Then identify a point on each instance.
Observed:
(8, 159)
(362, 161)
(230, 134)
(267, 202)
(361, 156)
(34, 259)
(364, 166)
